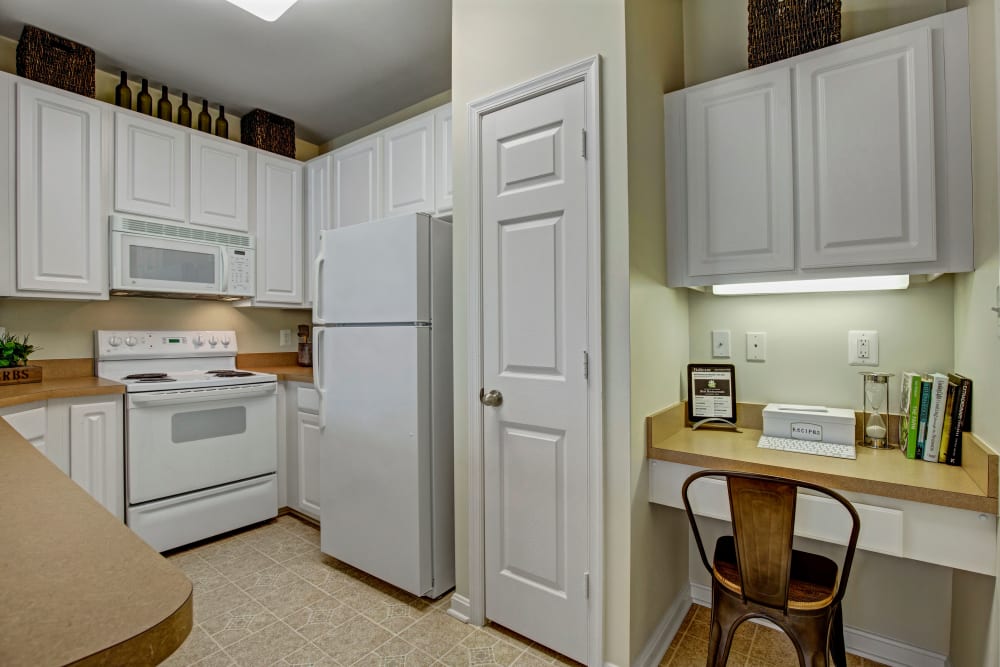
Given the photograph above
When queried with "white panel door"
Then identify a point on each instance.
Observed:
(408, 167)
(443, 177)
(739, 173)
(534, 249)
(61, 241)
(219, 183)
(865, 149)
(319, 213)
(279, 231)
(96, 453)
(356, 183)
(150, 167)
(308, 443)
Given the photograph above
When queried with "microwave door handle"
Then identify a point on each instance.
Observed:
(225, 270)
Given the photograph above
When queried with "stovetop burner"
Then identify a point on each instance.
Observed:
(145, 376)
(158, 379)
(231, 374)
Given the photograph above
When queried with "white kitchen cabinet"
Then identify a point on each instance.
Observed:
(151, 167)
(61, 237)
(278, 228)
(319, 214)
(218, 183)
(96, 452)
(408, 167)
(879, 180)
(30, 420)
(443, 180)
(356, 191)
(303, 444)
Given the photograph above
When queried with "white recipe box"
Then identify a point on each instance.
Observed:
(809, 422)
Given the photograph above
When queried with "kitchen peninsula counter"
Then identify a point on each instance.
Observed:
(79, 587)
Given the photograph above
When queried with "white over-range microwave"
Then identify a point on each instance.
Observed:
(150, 257)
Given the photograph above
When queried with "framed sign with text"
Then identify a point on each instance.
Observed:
(711, 393)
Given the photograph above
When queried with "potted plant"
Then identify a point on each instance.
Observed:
(14, 353)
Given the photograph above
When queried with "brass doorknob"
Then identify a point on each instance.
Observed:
(491, 398)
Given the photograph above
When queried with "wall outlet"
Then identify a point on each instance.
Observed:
(862, 348)
(756, 346)
(720, 344)
(285, 337)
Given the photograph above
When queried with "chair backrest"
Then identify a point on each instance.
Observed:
(763, 512)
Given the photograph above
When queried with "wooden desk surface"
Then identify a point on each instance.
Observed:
(883, 473)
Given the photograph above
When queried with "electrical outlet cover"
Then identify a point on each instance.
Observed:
(862, 348)
(756, 346)
(721, 344)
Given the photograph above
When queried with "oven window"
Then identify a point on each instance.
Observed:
(205, 424)
(177, 266)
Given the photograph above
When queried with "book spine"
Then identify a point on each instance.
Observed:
(949, 405)
(959, 421)
(925, 408)
(913, 409)
(935, 419)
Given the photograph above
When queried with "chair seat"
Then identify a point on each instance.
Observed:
(812, 580)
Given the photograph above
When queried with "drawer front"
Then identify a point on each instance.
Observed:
(307, 399)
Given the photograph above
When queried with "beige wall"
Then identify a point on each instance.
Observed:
(497, 44)
(398, 117)
(65, 329)
(658, 327)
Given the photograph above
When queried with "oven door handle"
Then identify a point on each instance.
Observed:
(202, 395)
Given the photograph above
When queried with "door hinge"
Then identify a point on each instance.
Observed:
(586, 365)
(583, 144)
(586, 585)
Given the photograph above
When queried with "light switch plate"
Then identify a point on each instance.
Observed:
(862, 348)
(285, 337)
(756, 346)
(721, 348)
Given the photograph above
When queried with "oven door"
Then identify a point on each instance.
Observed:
(192, 439)
(149, 264)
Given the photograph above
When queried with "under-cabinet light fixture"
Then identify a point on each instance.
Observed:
(269, 10)
(861, 284)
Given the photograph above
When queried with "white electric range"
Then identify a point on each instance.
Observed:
(200, 436)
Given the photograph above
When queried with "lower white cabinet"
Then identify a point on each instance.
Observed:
(83, 437)
(303, 445)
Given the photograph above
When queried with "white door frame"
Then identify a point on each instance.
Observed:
(588, 72)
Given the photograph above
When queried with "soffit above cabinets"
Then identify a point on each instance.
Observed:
(330, 65)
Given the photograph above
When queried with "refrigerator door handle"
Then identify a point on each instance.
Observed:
(318, 337)
(317, 285)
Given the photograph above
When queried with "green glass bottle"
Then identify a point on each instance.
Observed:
(123, 94)
(144, 102)
(221, 124)
(184, 112)
(204, 120)
(164, 109)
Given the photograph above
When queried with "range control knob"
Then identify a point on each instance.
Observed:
(213, 341)
(115, 341)
(226, 340)
(131, 341)
(199, 340)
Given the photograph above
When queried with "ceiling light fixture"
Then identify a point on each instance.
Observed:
(862, 284)
(269, 10)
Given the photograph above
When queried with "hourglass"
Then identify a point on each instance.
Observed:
(876, 410)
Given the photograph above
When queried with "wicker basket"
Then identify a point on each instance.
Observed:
(780, 29)
(268, 131)
(56, 61)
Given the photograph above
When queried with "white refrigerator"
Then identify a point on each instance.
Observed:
(383, 367)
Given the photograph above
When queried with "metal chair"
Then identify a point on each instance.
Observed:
(756, 572)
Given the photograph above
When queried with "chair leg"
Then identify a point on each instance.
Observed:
(724, 618)
(838, 651)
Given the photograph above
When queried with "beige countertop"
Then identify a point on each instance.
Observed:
(282, 364)
(887, 473)
(15, 394)
(78, 586)
(285, 373)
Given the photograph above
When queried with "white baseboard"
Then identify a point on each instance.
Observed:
(664, 633)
(882, 649)
(459, 608)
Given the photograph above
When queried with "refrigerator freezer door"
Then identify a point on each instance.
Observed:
(375, 453)
(376, 272)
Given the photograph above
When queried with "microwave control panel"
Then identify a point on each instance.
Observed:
(241, 272)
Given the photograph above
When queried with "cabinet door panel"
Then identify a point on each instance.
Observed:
(408, 167)
(279, 231)
(319, 213)
(150, 168)
(865, 144)
(61, 245)
(96, 453)
(218, 183)
(443, 181)
(355, 183)
(739, 163)
(308, 461)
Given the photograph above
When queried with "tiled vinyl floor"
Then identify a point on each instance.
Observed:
(753, 645)
(267, 596)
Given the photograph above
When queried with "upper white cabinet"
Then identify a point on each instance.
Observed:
(443, 180)
(319, 213)
(278, 227)
(150, 167)
(356, 182)
(218, 183)
(408, 167)
(864, 170)
(61, 237)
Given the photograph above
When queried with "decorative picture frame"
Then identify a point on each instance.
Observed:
(711, 390)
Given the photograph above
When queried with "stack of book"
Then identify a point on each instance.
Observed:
(934, 412)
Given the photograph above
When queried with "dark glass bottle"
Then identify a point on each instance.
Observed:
(184, 112)
(123, 94)
(164, 109)
(204, 120)
(221, 124)
(144, 102)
